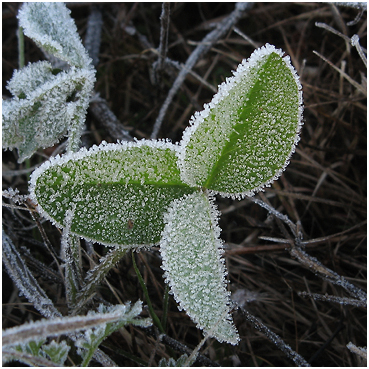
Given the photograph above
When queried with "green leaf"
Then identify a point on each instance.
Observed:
(115, 194)
(50, 26)
(244, 138)
(57, 351)
(191, 250)
(181, 361)
(41, 111)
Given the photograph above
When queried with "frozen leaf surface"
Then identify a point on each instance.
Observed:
(244, 137)
(45, 107)
(50, 26)
(115, 194)
(191, 251)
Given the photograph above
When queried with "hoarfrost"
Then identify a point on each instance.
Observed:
(191, 252)
(48, 103)
(53, 30)
(39, 114)
(57, 351)
(62, 325)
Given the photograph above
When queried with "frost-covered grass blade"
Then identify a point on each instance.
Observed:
(191, 251)
(243, 139)
(115, 194)
(62, 325)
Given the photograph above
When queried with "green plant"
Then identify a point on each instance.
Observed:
(148, 192)
(48, 102)
(133, 195)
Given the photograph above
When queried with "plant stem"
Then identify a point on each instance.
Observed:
(165, 307)
(20, 47)
(146, 293)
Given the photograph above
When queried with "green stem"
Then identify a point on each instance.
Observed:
(20, 47)
(165, 307)
(146, 293)
(97, 274)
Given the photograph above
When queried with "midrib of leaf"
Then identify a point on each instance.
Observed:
(235, 132)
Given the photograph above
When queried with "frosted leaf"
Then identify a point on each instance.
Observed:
(50, 26)
(57, 351)
(170, 362)
(45, 107)
(118, 192)
(191, 252)
(243, 139)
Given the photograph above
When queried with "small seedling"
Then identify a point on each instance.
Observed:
(155, 192)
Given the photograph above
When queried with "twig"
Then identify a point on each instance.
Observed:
(361, 351)
(343, 74)
(327, 274)
(273, 337)
(335, 299)
(93, 34)
(284, 218)
(310, 262)
(101, 111)
(355, 42)
(209, 40)
(163, 46)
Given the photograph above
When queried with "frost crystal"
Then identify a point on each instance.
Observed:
(242, 140)
(191, 252)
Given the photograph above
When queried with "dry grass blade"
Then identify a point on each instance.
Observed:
(358, 86)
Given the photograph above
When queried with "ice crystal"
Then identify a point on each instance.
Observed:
(243, 139)
(191, 252)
